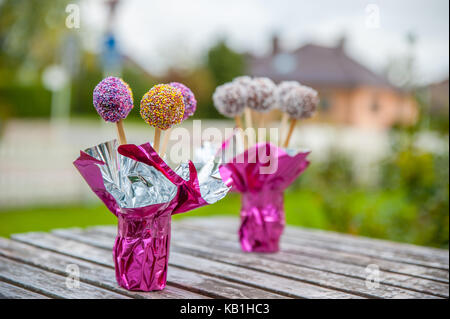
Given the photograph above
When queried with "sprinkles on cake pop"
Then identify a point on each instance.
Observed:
(129, 89)
(113, 99)
(230, 99)
(300, 102)
(162, 106)
(190, 103)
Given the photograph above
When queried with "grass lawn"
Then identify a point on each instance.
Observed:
(12, 221)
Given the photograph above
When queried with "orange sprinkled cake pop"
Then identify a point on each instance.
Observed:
(162, 107)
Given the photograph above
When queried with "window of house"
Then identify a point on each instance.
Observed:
(324, 103)
(284, 63)
(375, 106)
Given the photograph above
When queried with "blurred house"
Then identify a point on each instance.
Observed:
(439, 97)
(350, 93)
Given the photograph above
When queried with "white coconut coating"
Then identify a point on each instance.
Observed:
(261, 94)
(300, 102)
(244, 80)
(283, 88)
(230, 99)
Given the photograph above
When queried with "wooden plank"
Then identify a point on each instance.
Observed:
(256, 279)
(349, 278)
(232, 224)
(340, 256)
(89, 272)
(404, 275)
(49, 284)
(234, 273)
(200, 283)
(8, 291)
(361, 241)
(224, 250)
(397, 256)
(217, 287)
(431, 259)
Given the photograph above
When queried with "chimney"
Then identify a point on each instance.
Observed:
(341, 43)
(275, 44)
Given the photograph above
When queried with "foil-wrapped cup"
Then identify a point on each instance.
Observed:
(261, 174)
(143, 192)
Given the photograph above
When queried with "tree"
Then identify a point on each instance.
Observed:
(31, 31)
(224, 63)
(31, 35)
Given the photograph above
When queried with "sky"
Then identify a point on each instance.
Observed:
(161, 33)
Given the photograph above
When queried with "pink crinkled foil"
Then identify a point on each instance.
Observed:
(141, 249)
(262, 193)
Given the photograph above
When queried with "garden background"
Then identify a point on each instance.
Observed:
(390, 182)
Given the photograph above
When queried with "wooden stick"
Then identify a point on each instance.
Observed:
(291, 130)
(261, 123)
(284, 124)
(262, 120)
(121, 132)
(156, 139)
(238, 121)
(248, 117)
(248, 125)
(165, 141)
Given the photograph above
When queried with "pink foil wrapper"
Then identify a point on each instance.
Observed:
(262, 186)
(141, 249)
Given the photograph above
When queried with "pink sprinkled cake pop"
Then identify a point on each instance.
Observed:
(113, 99)
(190, 103)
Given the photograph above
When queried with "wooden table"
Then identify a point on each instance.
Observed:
(206, 262)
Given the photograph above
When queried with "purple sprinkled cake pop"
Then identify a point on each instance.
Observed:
(300, 102)
(190, 103)
(230, 99)
(113, 99)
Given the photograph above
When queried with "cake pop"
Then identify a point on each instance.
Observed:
(229, 99)
(261, 94)
(190, 103)
(299, 103)
(244, 82)
(283, 89)
(161, 107)
(113, 100)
